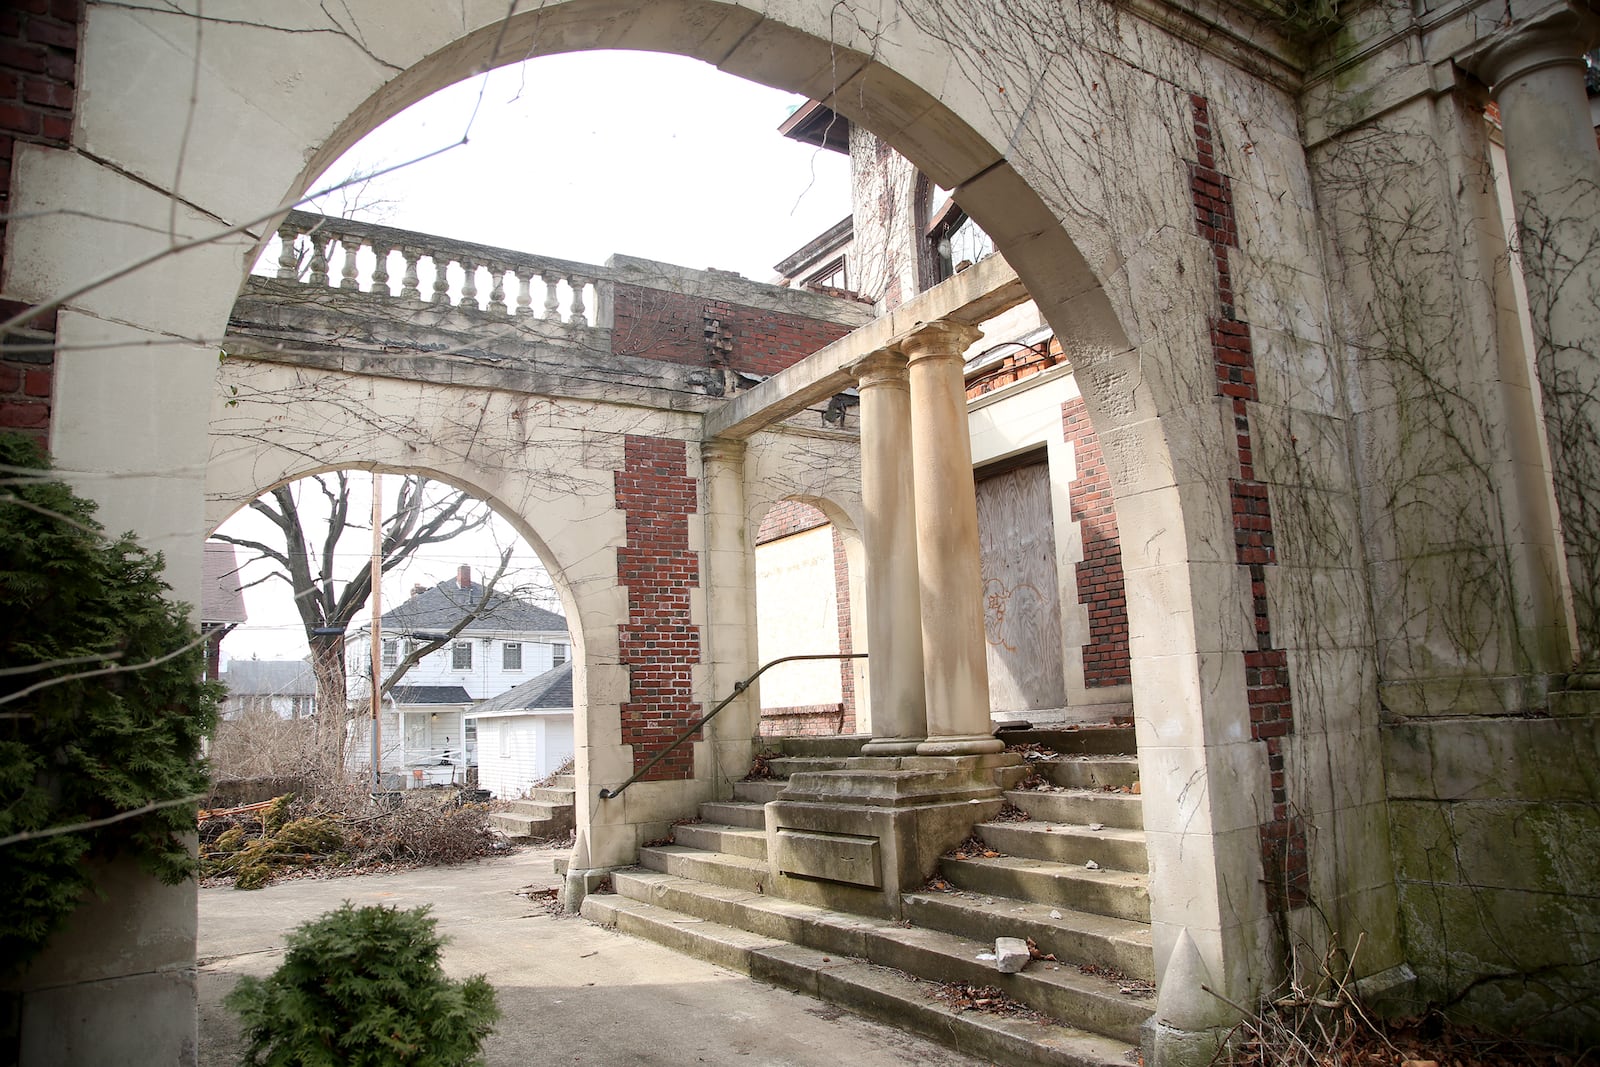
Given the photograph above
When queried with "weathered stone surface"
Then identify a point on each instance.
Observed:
(1010, 954)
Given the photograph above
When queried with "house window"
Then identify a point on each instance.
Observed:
(558, 655)
(461, 656)
(511, 656)
(391, 652)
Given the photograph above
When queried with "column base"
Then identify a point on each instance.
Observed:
(1162, 1045)
(891, 746)
(960, 745)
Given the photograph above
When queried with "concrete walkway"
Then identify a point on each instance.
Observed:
(571, 992)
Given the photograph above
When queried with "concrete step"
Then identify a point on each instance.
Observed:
(1058, 989)
(742, 841)
(1073, 936)
(1122, 894)
(1081, 806)
(536, 809)
(1123, 850)
(564, 781)
(734, 813)
(840, 745)
(1089, 772)
(552, 795)
(878, 991)
(759, 791)
(737, 872)
(1084, 740)
(517, 824)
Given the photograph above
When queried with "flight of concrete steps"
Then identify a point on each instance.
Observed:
(547, 812)
(703, 895)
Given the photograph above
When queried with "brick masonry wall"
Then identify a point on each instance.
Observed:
(847, 671)
(659, 644)
(1283, 839)
(38, 78)
(693, 331)
(787, 518)
(812, 720)
(1106, 661)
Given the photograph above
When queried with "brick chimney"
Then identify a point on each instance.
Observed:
(464, 576)
(418, 589)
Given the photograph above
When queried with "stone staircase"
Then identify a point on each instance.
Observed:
(548, 812)
(705, 894)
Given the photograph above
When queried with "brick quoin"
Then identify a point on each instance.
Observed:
(693, 331)
(1283, 839)
(38, 86)
(659, 644)
(1106, 661)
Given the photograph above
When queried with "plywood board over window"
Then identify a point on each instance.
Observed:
(1021, 588)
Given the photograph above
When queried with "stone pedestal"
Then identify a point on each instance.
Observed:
(856, 839)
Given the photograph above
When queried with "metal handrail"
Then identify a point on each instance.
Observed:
(738, 688)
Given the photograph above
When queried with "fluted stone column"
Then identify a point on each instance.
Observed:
(1535, 73)
(889, 532)
(954, 656)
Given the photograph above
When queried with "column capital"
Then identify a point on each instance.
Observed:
(884, 366)
(939, 338)
(726, 449)
(1556, 39)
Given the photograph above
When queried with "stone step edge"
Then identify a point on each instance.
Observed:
(830, 931)
(866, 989)
(1105, 879)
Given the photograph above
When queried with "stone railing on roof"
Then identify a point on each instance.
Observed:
(563, 297)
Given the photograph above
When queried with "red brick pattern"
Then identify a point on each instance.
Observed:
(1283, 839)
(787, 518)
(810, 720)
(1014, 367)
(693, 331)
(847, 667)
(1100, 586)
(38, 80)
(659, 643)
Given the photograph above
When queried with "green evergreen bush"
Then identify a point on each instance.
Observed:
(79, 744)
(363, 987)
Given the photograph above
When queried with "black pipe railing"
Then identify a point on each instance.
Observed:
(738, 688)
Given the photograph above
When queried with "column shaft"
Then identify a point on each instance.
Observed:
(956, 661)
(889, 533)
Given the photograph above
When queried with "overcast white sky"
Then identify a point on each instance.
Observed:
(579, 156)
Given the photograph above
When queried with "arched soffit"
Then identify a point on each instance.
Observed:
(837, 515)
(541, 549)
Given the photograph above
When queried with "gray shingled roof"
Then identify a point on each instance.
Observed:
(221, 602)
(440, 608)
(552, 689)
(275, 677)
(430, 694)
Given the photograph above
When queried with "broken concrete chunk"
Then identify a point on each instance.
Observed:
(1011, 954)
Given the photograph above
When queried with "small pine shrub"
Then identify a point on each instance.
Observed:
(78, 744)
(363, 987)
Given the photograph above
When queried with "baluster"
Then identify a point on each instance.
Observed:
(469, 285)
(552, 299)
(352, 251)
(408, 284)
(441, 280)
(288, 254)
(524, 286)
(578, 318)
(320, 245)
(380, 270)
(497, 294)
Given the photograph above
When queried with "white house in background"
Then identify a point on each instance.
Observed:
(285, 688)
(428, 732)
(526, 734)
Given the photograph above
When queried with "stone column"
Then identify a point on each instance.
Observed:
(729, 648)
(1535, 73)
(956, 664)
(889, 534)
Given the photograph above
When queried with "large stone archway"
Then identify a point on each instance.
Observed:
(1088, 181)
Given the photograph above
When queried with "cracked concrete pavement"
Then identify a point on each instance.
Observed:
(570, 991)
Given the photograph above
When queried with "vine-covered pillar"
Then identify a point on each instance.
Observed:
(889, 534)
(954, 654)
(1535, 73)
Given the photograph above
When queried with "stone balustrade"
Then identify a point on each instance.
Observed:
(359, 257)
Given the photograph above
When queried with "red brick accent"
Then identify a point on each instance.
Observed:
(38, 85)
(693, 331)
(659, 643)
(1014, 367)
(809, 720)
(787, 518)
(1283, 840)
(1105, 658)
(847, 667)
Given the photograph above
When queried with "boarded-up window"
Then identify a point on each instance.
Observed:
(1021, 589)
